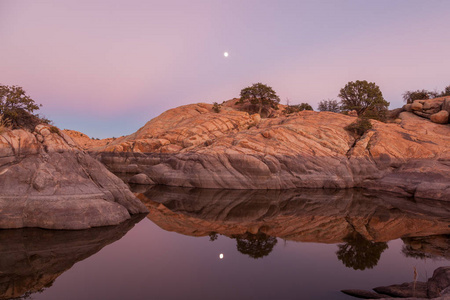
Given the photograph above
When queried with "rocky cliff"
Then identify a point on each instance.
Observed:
(47, 181)
(192, 146)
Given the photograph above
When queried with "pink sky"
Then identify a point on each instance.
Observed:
(107, 67)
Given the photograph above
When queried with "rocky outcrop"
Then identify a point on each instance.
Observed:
(85, 142)
(192, 146)
(437, 109)
(47, 181)
(32, 258)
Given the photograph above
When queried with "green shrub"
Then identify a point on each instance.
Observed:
(296, 108)
(216, 107)
(54, 129)
(17, 107)
(360, 126)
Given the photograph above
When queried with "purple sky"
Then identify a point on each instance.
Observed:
(107, 67)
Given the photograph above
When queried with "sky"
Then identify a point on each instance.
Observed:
(106, 67)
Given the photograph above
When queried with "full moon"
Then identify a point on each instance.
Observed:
(225, 54)
(221, 255)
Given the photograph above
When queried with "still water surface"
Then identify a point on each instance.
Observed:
(275, 245)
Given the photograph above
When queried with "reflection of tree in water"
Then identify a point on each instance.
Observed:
(359, 253)
(255, 245)
(213, 236)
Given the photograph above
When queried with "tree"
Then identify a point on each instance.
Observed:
(445, 92)
(255, 245)
(329, 105)
(17, 107)
(296, 108)
(362, 96)
(410, 96)
(260, 95)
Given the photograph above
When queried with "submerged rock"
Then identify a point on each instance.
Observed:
(47, 181)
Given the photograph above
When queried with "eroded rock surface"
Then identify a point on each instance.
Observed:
(191, 146)
(47, 181)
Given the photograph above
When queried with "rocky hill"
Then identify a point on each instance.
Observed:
(192, 146)
(47, 181)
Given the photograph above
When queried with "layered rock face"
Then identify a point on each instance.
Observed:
(191, 146)
(47, 181)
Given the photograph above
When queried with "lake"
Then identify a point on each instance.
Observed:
(231, 244)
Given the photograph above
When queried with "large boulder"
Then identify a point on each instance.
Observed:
(47, 181)
(440, 117)
(437, 109)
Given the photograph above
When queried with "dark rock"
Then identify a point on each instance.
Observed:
(140, 179)
(438, 282)
(422, 114)
(404, 290)
(446, 105)
(364, 294)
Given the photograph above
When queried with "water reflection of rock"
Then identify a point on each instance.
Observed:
(324, 216)
(437, 287)
(31, 259)
(427, 247)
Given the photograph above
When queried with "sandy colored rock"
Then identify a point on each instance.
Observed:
(85, 142)
(417, 105)
(192, 146)
(440, 117)
(49, 182)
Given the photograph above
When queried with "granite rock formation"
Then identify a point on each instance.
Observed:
(437, 109)
(192, 146)
(47, 181)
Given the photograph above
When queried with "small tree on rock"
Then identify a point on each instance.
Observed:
(329, 105)
(18, 108)
(445, 92)
(296, 108)
(362, 96)
(260, 95)
(411, 96)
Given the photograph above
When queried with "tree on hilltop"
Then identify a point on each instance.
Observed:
(329, 105)
(17, 107)
(296, 108)
(411, 96)
(260, 95)
(363, 97)
(446, 91)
